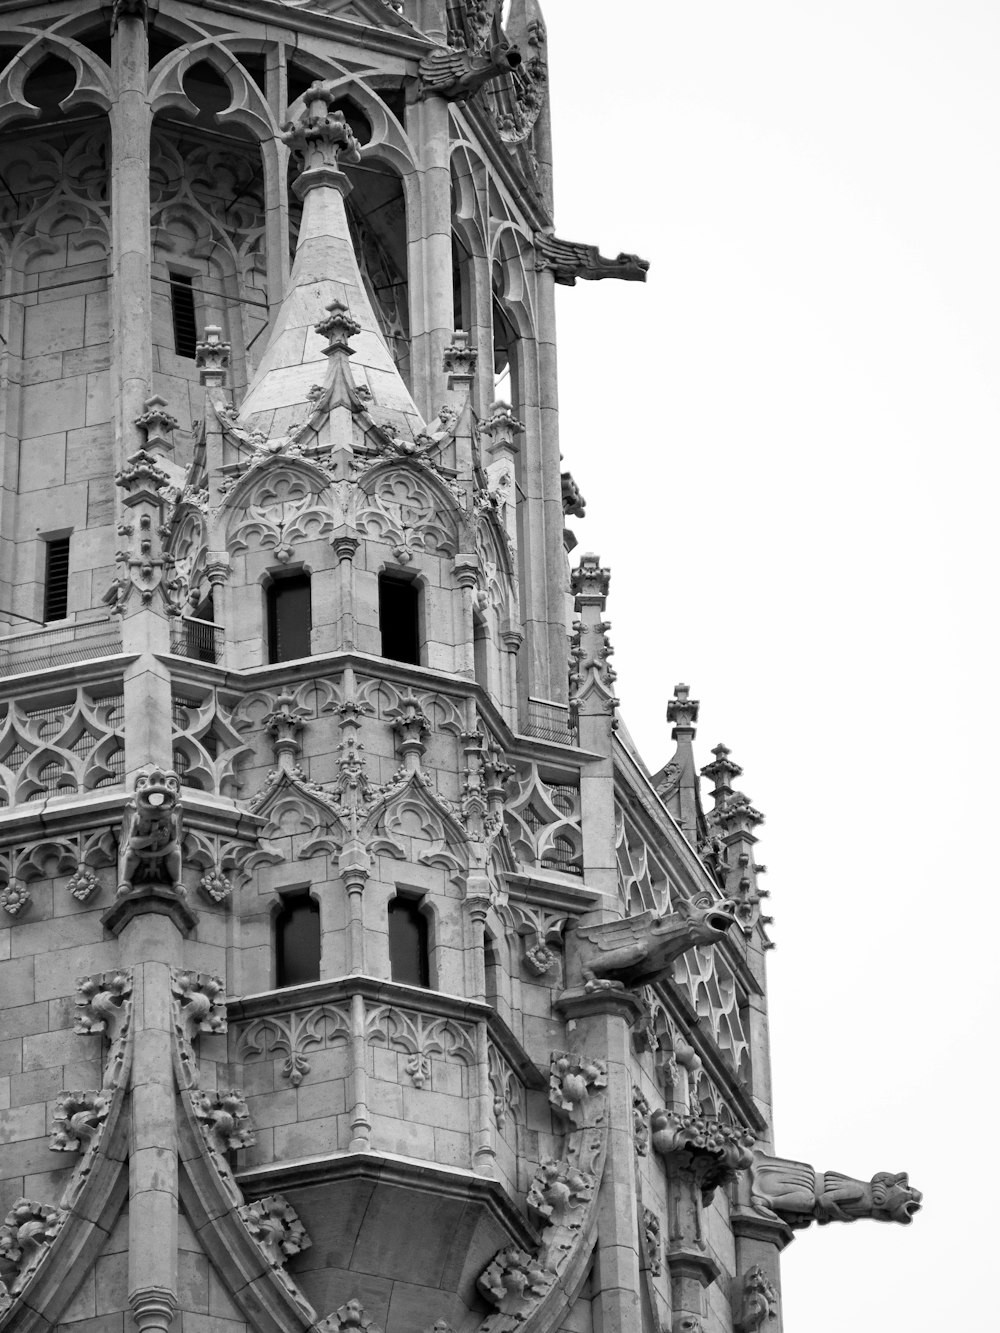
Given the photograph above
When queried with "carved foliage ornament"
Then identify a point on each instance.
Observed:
(25, 1234)
(274, 1225)
(713, 1152)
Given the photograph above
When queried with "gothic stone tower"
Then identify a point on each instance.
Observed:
(360, 974)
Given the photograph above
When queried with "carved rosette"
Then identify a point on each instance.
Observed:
(26, 1233)
(274, 1225)
(78, 1119)
(199, 1003)
(574, 1080)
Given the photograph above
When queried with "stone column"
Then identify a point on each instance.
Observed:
(593, 704)
(600, 1024)
(150, 920)
(552, 508)
(431, 305)
(130, 119)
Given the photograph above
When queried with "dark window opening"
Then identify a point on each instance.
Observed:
(399, 619)
(47, 84)
(289, 618)
(182, 309)
(395, 100)
(56, 579)
(297, 941)
(409, 954)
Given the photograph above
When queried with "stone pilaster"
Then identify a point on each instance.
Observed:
(431, 305)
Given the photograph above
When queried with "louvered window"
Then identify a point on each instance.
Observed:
(56, 578)
(182, 309)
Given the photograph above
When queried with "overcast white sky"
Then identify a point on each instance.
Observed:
(788, 442)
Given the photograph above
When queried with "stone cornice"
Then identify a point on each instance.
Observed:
(66, 676)
(404, 41)
(438, 1003)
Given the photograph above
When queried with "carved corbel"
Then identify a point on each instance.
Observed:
(460, 362)
(700, 1154)
(212, 356)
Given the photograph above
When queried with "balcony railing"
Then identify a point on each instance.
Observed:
(59, 646)
(548, 721)
(201, 640)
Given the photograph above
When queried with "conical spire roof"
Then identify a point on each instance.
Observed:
(325, 269)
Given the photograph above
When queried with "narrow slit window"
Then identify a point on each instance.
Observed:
(56, 579)
(289, 618)
(409, 951)
(182, 309)
(399, 619)
(297, 941)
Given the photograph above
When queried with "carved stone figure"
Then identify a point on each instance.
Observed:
(798, 1194)
(570, 260)
(151, 834)
(640, 949)
(760, 1301)
(456, 75)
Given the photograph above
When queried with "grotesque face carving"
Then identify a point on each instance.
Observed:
(892, 1198)
(156, 793)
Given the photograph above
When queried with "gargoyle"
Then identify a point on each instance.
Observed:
(799, 1195)
(640, 949)
(570, 260)
(456, 75)
(150, 850)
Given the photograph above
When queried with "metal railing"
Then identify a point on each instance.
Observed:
(201, 640)
(60, 646)
(548, 721)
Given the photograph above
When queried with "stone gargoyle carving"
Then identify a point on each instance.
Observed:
(640, 949)
(456, 75)
(150, 850)
(798, 1195)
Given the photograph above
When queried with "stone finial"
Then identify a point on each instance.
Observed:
(337, 327)
(157, 424)
(411, 725)
(211, 356)
(460, 361)
(501, 426)
(283, 724)
(590, 582)
(321, 137)
(721, 771)
(682, 711)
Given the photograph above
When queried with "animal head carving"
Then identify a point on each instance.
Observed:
(156, 793)
(892, 1198)
(711, 918)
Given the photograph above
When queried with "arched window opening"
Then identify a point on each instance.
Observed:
(409, 943)
(505, 385)
(208, 90)
(461, 282)
(399, 618)
(48, 83)
(297, 941)
(289, 618)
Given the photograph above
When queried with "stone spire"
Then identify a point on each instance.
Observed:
(325, 269)
(677, 782)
